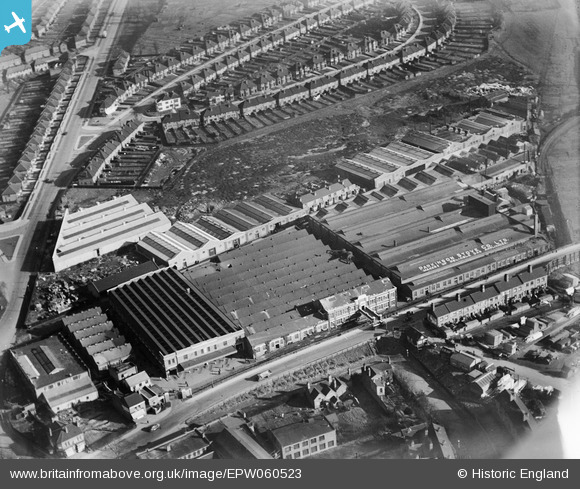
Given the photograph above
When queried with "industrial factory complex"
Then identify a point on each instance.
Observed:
(321, 228)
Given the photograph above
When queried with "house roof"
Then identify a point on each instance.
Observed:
(299, 432)
(133, 399)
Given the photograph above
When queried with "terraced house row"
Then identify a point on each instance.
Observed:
(330, 52)
(278, 88)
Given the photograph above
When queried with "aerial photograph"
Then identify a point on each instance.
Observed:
(289, 229)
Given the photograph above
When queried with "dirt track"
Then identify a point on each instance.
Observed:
(544, 36)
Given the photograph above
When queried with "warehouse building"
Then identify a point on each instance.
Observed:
(104, 228)
(54, 374)
(432, 239)
(417, 151)
(273, 287)
(175, 322)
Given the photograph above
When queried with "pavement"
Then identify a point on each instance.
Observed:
(15, 274)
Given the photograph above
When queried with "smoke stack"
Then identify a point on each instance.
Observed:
(536, 225)
(506, 277)
(530, 268)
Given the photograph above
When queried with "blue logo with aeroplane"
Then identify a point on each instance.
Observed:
(15, 22)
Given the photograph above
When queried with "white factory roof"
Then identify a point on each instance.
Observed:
(104, 228)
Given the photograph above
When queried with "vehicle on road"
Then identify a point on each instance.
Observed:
(154, 427)
(263, 375)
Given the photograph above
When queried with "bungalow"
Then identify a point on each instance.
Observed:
(256, 104)
(292, 94)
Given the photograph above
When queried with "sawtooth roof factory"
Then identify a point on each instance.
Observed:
(272, 292)
(187, 244)
(104, 228)
(434, 238)
(289, 286)
(174, 321)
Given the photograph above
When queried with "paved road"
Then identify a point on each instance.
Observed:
(184, 412)
(15, 275)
